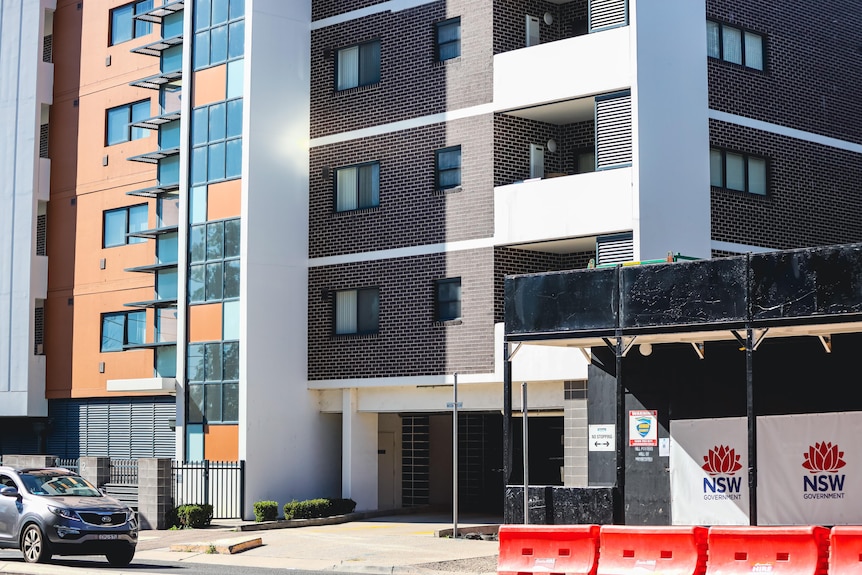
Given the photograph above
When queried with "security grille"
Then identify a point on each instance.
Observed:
(39, 331)
(416, 460)
(43, 141)
(48, 48)
(41, 234)
(613, 130)
(608, 13)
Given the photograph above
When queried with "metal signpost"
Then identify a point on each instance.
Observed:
(454, 405)
(526, 454)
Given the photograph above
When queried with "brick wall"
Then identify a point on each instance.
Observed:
(813, 194)
(411, 211)
(412, 83)
(410, 342)
(512, 139)
(569, 19)
(813, 65)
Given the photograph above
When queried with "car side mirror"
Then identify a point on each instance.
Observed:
(9, 491)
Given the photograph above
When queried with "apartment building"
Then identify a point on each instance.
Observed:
(278, 230)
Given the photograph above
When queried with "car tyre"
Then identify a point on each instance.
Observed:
(120, 556)
(34, 545)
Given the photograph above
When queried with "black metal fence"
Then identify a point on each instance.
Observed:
(217, 483)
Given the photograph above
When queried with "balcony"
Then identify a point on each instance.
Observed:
(594, 63)
(564, 207)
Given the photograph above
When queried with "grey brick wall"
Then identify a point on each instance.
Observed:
(411, 211)
(813, 194)
(412, 83)
(813, 73)
(569, 19)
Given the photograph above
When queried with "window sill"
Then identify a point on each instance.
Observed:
(448, 322)
(357, 89)
(447, 62)
(353, 336)
(444, 191)
(358, 211)
(738, 192)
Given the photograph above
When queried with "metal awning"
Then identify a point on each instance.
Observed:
(156, 121)
(153, 233)
(154, 156)
(157, 14)
(155, 191)
(153, 303)
(156, 48)
(151, 345)
(158, 80)
(152, 268)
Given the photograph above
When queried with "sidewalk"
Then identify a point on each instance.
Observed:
(403, 544)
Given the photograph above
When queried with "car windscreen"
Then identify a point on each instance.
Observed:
(58, 485)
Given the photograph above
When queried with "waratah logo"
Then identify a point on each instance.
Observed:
(721, 459)
(824, 457)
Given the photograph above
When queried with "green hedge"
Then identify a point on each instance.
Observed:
(265, 511)
(190, 516)
(313, 508)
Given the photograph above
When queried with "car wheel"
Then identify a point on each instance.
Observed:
(34, 546)
(120, 556)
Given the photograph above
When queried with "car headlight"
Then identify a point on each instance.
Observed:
(64, 513)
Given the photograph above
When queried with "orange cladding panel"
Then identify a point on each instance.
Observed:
(205, 322)
(224, 200)
(210, 85)
(221, 442)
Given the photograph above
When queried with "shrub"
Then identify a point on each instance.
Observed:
(265, 511)
(194, 516)
(313, 508)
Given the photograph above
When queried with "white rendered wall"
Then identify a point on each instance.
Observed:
(292, 451)
(358, 453)
(670, 128)
(22, 376)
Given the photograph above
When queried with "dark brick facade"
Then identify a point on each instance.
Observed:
(812, 78)
(412, 83)
(411, 212)
(512, 139)
(510, 29)
(813, 193)
(410, 342)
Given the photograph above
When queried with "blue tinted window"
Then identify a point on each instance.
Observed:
(142, 28)
(236, 39)
(118, 125)
(115, 228)
(172, 59)
(233, 167)
(217, 122)
(140, 112)
(215, 162)
(166, 284)
(122, 28)
(113, 331)
(234, 118)
(199, 165)
(136, 327)
(202, 14)
(172, 25)
(167, 248)
(200, 123)
(169, 171)
(219, 12)
(169, 135)
(138, 216)
(202, 49)
(218, 44)
(237, 9)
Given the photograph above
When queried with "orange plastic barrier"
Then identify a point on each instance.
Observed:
(629, 549)
(845, 550)
(570, 549)
(802, 550)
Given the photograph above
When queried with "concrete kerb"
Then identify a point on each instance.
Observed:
(333, 520)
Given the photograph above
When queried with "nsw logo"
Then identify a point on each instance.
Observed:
(823, 460)
(722, 463)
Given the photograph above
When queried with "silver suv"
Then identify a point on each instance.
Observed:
(52, 511)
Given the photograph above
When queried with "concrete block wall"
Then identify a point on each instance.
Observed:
(96, 470)
(567, 20)
(154, 492)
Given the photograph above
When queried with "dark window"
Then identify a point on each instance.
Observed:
(219, 31)
(119, 127)
(358, 66)
(356, 311)
(737, 171)
(123, 328)
(214, 259)
(448, 39)
(357, 187)
(117, 224)
(734, 45)
(217, 142)
(124, 27)
(448, 168)
(448, 302)
(213, 373)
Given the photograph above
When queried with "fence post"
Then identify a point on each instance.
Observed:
(96, 470)
(206, 481)
(242, 489)
(154, 492)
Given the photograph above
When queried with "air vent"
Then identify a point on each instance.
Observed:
(615, 249)
(613, 130)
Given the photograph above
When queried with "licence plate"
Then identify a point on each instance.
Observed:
(104, 536)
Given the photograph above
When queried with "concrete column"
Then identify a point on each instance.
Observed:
(29, 460)
(96, 470)
(358, 453)
(154, 492)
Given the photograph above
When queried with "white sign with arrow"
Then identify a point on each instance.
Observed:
(603, 437)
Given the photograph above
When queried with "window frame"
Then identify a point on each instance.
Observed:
(130, 132)
(125, 315)
(357, 331)
(438, 171)
(359, 69)
(139, 27)
(223, 260)
(439, 303)
(438, 44)
(742, 48)
(235, 23)
(126, 239)
(746, 171)
(375, 194)
(201, 150)
(207, 385)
